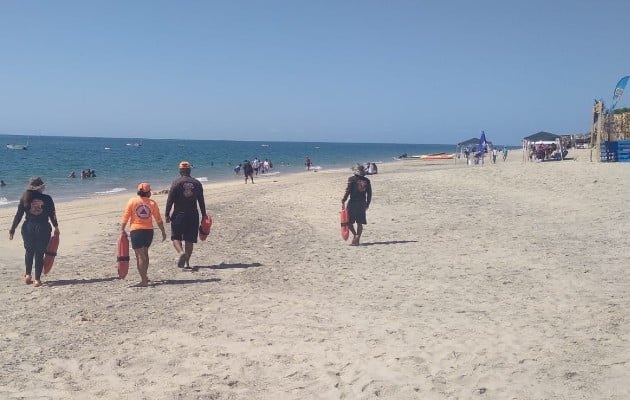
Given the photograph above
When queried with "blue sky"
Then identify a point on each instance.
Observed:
(346, 71)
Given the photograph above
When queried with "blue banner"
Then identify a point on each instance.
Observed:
(621, 85)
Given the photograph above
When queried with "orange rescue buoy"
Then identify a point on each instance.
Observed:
(204, 228)
(51, 253)
(345, 231)
(123, 255)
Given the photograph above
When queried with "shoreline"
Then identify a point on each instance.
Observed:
(156, 162)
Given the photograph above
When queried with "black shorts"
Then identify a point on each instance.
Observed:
(356, 213)
(141, 238)
(185, 227)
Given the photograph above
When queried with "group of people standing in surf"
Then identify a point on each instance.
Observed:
(184, 205)
(251, 168)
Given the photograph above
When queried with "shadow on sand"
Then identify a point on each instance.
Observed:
(223, 266)
(388, 242)
(80, 281)
(182, 281)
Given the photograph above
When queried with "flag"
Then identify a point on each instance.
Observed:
(621, 85)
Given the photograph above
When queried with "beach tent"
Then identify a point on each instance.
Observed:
(471, 144)
(541, 138)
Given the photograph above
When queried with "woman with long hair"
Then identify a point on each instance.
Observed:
(39, 209)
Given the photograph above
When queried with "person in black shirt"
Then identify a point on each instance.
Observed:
(185, 193)
(359, 190)
(248, 171)
(39, 209)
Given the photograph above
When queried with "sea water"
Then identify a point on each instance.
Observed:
(121, 163)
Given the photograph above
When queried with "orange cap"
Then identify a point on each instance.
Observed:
(144, 187)
(185, 164)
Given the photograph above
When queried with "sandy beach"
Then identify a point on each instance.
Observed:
(506, 281)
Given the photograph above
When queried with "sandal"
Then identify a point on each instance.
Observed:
(37, 283)
(27, 279)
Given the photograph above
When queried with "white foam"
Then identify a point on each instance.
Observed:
(202, 179)
(268, 174)
(5, 202)
(111, 191)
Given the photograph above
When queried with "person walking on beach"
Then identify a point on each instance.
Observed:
(359, 189)
(140, 212)
(248, 171)
(39, 209)
(505, 152)
(495, 153)
(308, 163)
(185, 193)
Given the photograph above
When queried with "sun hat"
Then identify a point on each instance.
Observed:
(185, 164)
(35, 184)
(144, 187)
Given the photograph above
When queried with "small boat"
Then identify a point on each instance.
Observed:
(433, 156)
(17, 146)
(264, 145)
(134, 144)
(438, 156)
(410, 157)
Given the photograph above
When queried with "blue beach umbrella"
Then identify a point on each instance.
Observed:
(483, 144)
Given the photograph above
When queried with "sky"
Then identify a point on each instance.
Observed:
(387, 71)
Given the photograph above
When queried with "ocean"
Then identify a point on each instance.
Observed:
(121, 163)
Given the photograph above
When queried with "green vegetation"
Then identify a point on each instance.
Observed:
(622, 110)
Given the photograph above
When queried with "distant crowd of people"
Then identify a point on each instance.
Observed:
(546, 151)
(86, 173)
(475, 157)
(251, 168)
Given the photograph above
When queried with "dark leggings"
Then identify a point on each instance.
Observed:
(36, 238)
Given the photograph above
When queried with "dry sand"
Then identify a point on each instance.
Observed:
(506, 281)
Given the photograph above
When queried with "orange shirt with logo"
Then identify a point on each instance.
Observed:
(139, 212)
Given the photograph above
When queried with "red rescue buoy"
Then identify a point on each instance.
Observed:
(123, 255)
(204, 228)
(51, 253)
(345, 231)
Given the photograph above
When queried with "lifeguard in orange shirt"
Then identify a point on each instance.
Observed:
(140, 213)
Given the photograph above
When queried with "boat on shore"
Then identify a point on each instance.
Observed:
(433, 156)
(438, 156)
